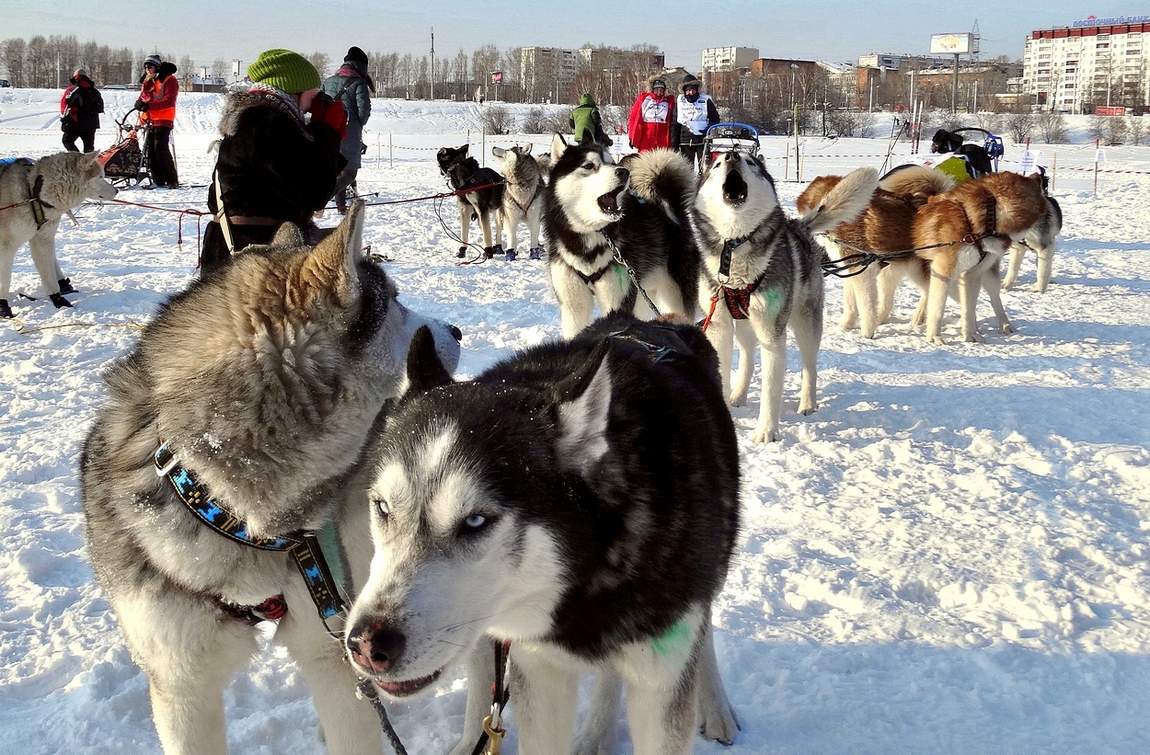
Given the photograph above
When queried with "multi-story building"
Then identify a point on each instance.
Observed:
(727, 58)
(1094, 62)
(545, 70)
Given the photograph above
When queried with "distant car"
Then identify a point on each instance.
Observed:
(115, 86)
(5, 84)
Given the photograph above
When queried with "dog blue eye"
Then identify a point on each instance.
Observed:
(476, 522)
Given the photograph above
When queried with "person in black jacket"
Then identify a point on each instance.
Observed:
(694, 114)
(275, 164)
(80, 109)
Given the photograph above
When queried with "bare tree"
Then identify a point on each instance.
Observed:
(14, 50)
(1116, 130)
(1020, 126)
(1137, 129)
(1051, 127)
(322, 63)
(497, 120)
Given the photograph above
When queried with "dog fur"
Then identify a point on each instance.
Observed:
(1040, 238)
(587, 202)
(265, 380)
(522, 197)
(737, 199)
(1006, 205)
(69, 179)
(600, 548)
(462, 171)
(887, 226)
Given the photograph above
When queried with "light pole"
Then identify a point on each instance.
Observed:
(794, 71)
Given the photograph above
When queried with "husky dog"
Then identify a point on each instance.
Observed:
(605, 556)
(589, 214)
(1039, 238)
(886, 227)
(522, 196)
(963, 234)
(462, 172)
(773, 276)
(56, 184)
(264, 382)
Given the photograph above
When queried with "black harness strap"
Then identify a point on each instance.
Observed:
(500, 694)
(729, 246)
(302, 546)
(38, 204)
(594, 277)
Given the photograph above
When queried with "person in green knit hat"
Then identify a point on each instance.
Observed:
(587, 124)
(278, 159)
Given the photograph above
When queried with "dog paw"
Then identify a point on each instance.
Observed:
(59, 301)
(763, 435)
(937, 340)
(5, 310)
(808, 409)
(736, 400)
(847, 324)
(974, 337)
(1007, 328)
(720, 726)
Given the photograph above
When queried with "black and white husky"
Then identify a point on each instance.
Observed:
(601, 549)
(589, 214)
(264, 382)
(762, 273)
(483, 201)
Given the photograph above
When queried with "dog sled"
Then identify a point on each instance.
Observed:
(731, 136)
(952, 154)
(126, 162)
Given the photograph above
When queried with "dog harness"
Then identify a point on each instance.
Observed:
(990, 223)
(38, 204)
(303, 546)
(738, 300)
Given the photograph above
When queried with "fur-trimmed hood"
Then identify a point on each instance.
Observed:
(238, 102)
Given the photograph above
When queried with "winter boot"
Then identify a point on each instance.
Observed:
(461, 253)
(66, 286)
(511, 255)
(5, 310)
(536, 253)
(60, 301)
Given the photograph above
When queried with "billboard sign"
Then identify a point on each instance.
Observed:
(1101, 110)
(1112, 21)
(953, 44)
(497, 77)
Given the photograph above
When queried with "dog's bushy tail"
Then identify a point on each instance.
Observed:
(845, 202)
(916, 181)
(664, 176)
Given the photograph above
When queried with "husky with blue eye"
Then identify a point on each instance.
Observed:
(597, 545)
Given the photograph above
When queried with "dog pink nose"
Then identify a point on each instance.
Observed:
(376, 647)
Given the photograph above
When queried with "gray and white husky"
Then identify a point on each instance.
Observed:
(64, 181)
(773, 279)
(589, 213)
(264, 381)
(522, 197)
(1040, 238)
(600, 550)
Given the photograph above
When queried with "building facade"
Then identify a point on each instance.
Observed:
(727, 58)
(546, 71)
(1092, 63)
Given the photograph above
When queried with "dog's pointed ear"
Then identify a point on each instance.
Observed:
(558, 147)
(331, 266)
(582, 410)
(424, 368)
(527, 149)
(289, 235)
(498, 152)
(464, 149)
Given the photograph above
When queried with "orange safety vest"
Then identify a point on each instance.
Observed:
(165, 115)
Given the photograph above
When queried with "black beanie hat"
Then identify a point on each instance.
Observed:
(355, 55)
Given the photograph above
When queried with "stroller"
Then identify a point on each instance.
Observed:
(126, 162)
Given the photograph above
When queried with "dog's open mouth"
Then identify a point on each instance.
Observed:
(609, 202)
(408, 686)
(734, 189)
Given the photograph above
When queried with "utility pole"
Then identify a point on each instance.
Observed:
(870, 102)
(974, 103)
(954, 87)
(433, 62)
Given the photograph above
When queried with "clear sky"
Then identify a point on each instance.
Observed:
(210, 29)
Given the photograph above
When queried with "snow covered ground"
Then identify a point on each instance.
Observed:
(951, 555)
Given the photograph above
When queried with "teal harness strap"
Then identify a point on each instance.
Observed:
(332, 549)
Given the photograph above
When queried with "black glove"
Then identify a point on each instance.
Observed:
(65, 120)
(363, 149)
(607, 140)
(141, 106)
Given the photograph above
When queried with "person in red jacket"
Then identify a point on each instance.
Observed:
(80, 109)
(159, 89)
(649, 126)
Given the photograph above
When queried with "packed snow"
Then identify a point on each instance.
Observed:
(950, 555)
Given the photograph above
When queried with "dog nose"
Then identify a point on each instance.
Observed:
(622, 173)
(456, 333)
(376, 647)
